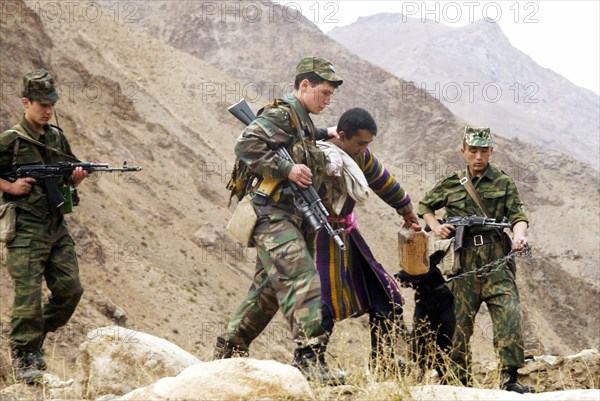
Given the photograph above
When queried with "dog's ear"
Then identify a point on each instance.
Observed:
(436, 258)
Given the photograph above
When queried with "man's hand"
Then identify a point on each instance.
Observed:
(410, 219)
(332, 132)
(79, 174)
(443, 231)
(519, 236)
(301, 175)
(22, 186)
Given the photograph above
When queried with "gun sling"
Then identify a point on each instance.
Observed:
(504, 237)
(55, 196)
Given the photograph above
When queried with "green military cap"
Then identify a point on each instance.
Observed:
(39, 85)
(480, 137)
(319, 66)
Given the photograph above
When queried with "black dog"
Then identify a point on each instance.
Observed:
(434, 320)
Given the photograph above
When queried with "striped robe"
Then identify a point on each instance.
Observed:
(352, 281)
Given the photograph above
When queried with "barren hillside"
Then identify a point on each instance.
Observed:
(154, 92)
(479, 75)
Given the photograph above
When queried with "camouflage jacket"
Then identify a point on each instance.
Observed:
(495, 189)
(36, 202)
(274, 128)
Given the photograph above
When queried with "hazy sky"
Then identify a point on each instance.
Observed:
(561, 35)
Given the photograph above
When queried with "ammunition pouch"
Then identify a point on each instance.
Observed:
(69, 194)
(450, 263)
(8, 221)
(242, 222)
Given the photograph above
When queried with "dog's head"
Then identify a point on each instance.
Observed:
(436, 258)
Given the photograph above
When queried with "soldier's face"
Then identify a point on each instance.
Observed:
(38, 113)
(477, 158)
(315, 98)
(357, 144)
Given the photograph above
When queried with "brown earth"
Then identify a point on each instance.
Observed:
(155, 92)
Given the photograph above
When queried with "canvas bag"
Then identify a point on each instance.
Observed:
(8, 221)
(450, 264)
(242, 222)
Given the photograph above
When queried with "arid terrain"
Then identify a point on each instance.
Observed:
(150, 83)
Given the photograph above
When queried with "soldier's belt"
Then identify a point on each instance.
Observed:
(478, 240)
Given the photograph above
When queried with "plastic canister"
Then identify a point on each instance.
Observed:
(413, 246)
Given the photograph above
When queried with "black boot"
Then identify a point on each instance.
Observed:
(225, 349)
(310, 361)
(508, 382)
(27, 366)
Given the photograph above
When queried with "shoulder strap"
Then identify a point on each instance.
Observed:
(466, 182)
(34, 148)
(38, 143)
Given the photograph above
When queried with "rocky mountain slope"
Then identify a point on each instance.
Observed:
(477, 73)
(150, 84)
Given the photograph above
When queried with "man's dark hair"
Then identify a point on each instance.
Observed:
(355, 119)
(314, 80)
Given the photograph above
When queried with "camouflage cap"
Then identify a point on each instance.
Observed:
(39, 85)
(480, 137)
(319, 66)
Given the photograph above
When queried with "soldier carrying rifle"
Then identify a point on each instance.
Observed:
(482, 189)
(38, 175)
(285, 275)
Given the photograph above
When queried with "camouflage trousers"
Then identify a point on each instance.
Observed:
(41, 250)
(285, 278)
(499, 291)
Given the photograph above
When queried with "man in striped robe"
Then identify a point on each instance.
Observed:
(352, 281)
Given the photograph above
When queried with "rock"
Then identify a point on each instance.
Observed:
(116, 360)
(51, 387)
(449, 393)
(579, 371)
(229, 379)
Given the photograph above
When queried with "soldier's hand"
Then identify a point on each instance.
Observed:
(79, 174)
(444, 231)
(519, 243)
(301, 175)
(22, 186)
(332, 132)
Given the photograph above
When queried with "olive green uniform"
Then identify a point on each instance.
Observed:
(483, 245)
(42, 247)
(285, 277)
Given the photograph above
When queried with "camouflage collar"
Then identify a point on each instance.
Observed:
(490, 173)
(29, 129)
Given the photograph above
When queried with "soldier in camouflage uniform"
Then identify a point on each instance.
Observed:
(285, 276)
(42, 247)
(483, 245)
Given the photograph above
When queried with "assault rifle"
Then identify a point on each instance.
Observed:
(306, 200)
(461, 223)
(476, 221)
(50, 173)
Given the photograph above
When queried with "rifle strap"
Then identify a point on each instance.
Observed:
(34, 148)
(466, 182)
(44, 146)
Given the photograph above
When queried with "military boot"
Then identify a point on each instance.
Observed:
(225, 349)
(311, 362)
(508, 382)
(26, 366)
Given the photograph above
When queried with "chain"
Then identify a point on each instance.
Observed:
(496, 265)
